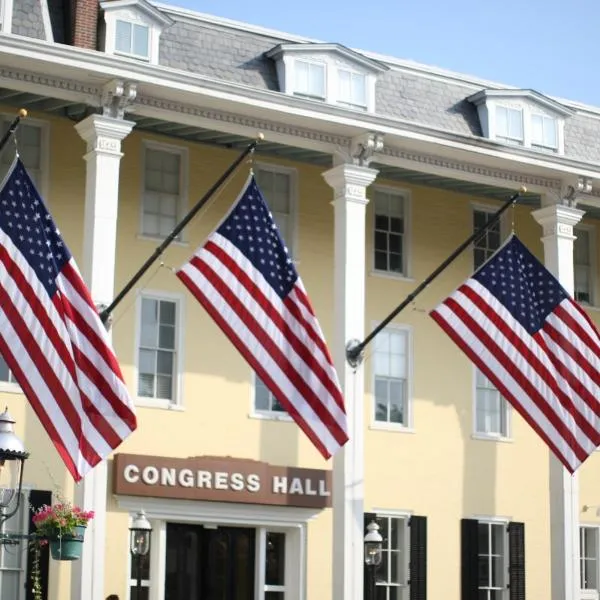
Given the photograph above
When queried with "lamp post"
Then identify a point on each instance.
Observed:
(12, 458)
(139, 532)
(373, 554)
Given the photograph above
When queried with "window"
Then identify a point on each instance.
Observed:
(264, 401)
(588, 552)
(309, 79)
(276, 186)
(6, 374)
(391, 377)
(132, 38)
(544, 132)
(404, 558)
(162, 191)
(352, 88)
(29, 142)
(390, 232)
(491, 409)
(275, 566)
(509, 125)
(157, 349)
(489, 242)
(583, 268)
(493, 559)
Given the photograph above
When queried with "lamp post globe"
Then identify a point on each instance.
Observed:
(139, 544)
(12, 459)
(373, 554)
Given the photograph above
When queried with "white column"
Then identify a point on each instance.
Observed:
(557, 222)
(349, 183)
(103, 136)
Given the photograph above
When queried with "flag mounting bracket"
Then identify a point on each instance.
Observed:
(354, 349)
(354, 353)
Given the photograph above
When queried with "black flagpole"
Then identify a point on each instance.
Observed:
(12, 128)
(105, 313)
(354, 348)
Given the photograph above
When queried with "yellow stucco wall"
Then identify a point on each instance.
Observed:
(437, 469)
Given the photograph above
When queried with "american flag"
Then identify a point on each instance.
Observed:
(51, 336)
(244, 278)
(536, 345)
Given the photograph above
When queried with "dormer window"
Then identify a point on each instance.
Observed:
(327, 73)
(132, 38)
(352, 89)
(132, 29)
(522, 118)
(509, 125)
(309, 79)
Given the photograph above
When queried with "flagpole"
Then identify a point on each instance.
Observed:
(354, 349)
(22, 114)
(105, 313)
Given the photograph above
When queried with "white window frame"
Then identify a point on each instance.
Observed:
(313, 63)
(406, 195)
(508, 139)
(590, 594)
(292, 521)
(6, 15)
(504, 523)
(131, 53)
(505, 406)
(269, 415)
(544, 117)
(176, 403)
(407, 426)
(21, 548)
(591, 231)
(490, 210)
(44, 126)
(183, 186)
(292, 173)
(405, 516)
(341, 100)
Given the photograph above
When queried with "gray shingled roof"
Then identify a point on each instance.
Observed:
(27, 19)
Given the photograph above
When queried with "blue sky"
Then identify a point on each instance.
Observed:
(547, 45)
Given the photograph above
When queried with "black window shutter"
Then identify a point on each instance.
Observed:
(516, 560)
(367, 573)
(418, 558)
(38, 498)
(469, 530)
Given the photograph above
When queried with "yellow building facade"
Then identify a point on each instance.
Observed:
(241, 504)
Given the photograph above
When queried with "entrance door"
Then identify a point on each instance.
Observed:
(209, 564)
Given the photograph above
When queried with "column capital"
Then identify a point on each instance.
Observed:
(558, 219)
(361, 149)
(104, 134)
(350, 181)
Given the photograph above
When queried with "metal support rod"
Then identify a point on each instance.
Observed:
(12, 128)
(105, 314)
(354, 350)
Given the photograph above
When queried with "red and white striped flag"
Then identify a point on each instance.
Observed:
(538, 347)
(245, 279)
(51, 336)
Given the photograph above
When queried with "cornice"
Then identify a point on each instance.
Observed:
(256, 125)
(509, 177)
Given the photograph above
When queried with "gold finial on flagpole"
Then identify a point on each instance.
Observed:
(260, 136)
(22, 113)
(523, 189)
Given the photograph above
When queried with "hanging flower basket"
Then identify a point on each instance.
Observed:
(68, 546)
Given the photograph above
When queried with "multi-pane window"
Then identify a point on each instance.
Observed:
(390, 364)
(13, 558)
(6, 374)
(132, 38)
(309, 79)
(492, 560)
(157, 350)
(489, 242)
(544, 132)
(352, 88)
(162, 191)
(390, 231)
(29, 143)
(264, 401)
(583, 271)
(275, 566)
(276, 188)
(491, 409)
(509, 125)
(588, 553)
